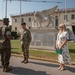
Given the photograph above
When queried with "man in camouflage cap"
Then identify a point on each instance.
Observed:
(25, 42)
(6, 45)
(5, 20)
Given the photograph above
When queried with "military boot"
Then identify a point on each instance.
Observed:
(6, 69)
(26, 61)
(23, 61)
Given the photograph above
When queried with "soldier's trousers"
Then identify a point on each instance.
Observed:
(6, 53)
(25, 50)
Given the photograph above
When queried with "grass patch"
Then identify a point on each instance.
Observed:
(16, 48)
(42, 54)
(71, 47)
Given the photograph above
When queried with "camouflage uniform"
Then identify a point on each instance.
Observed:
(25, 42)
(6, 47)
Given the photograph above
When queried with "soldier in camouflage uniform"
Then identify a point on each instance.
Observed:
(25, 42)
(6, 45)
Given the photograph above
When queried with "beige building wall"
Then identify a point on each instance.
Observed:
(16, 24)
(60, 14)
(69, 14)
(69, 19)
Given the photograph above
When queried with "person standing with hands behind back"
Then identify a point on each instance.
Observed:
(6, 45)
(62, 44)
(25, 42)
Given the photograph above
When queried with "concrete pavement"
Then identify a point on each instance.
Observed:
(36, 67)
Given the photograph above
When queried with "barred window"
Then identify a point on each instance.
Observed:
(29, 19)
(15, 20)
(72, 16)
(65, 17)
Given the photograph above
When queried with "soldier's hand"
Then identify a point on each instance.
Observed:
(9, 37)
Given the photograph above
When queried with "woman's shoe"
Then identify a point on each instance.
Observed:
(62, 69)
(59, 68)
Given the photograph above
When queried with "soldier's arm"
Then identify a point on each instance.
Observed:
(8, 33)
(20, 32)
(29, 36)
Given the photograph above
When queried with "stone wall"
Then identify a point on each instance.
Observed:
(43, 38)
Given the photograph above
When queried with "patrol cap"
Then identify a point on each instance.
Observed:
(5, 19)
(23, 23)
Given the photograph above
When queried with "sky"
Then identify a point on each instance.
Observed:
(13, 7)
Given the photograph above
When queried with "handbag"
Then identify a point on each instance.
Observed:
(59, 51)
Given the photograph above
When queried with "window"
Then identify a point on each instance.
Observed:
(29, 27)
(22, 20)
(15, 20)
(15, 28)
(56, 20)
(72, 16)
(29, 19)
(65, 17)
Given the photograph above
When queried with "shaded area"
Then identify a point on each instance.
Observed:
(0, 66)
(45, 64)
(13, 52)
(72, 50)
(25, 71)
(71, 69)
(14, 48)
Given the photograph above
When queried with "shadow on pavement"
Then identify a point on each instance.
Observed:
(25, 71)
(0, 66)
(45, 64)
(72, 69)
